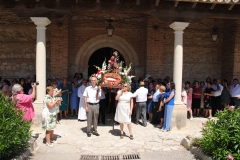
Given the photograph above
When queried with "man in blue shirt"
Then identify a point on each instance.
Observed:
(155, 104)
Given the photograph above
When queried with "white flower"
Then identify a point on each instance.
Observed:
(99, 76)
(109, 66)
(104, 66)
(128, 69)
(130, 78)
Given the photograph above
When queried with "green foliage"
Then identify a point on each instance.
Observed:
(124, 79)
(222, 137)
(196, 142)
(14, 132)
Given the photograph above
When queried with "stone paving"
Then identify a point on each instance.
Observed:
(148, 141)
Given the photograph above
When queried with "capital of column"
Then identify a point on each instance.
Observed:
(40, 21)
(178, 26)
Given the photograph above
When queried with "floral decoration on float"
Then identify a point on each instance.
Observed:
(113, 75)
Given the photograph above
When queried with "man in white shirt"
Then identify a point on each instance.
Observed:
(141, 105)
(92, 95)
(235, 93)
(216, 99)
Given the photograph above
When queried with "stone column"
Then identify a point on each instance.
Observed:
(178, 58)
(41, 23)
(179, 113)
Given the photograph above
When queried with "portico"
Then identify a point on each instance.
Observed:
(148, 34)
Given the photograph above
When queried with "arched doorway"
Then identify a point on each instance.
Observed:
(101, 41)
(99, 56)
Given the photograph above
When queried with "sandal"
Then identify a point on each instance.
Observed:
(49, 145)
(131, 137)
(54, 141)
(121, 135)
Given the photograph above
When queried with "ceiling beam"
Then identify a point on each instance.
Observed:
(213, 5)
(230, 8)
(157, 2)
(137, 2)
(118, 1)
(194, 5)
(176, 3)
(208, 1)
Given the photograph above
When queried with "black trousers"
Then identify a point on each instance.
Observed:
(112, 103)
(216, 104)
(155, 118)
(102, 110)
(236, 102)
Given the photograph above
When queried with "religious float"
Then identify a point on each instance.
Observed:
(113, 75)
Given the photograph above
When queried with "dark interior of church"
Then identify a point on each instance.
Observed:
(98, 57)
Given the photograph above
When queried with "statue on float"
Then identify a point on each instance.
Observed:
(113, 75)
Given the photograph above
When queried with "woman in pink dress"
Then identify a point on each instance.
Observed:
(189, 91)
(23, 101)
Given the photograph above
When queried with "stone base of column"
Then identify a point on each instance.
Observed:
(38, 107)
(179, 117)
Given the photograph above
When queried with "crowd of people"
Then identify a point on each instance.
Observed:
(147, 99)
(207, 98)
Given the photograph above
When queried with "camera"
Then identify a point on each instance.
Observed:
(37, 83)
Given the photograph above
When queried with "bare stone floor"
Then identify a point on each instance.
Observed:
(148, 141)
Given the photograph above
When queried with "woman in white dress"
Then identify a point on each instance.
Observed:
(49, 115)
(124, 109)
(81, 111)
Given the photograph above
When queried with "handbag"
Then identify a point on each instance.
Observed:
(206, 105)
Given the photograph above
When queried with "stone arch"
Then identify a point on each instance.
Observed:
(101, 41)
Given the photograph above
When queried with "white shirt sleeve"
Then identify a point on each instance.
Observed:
(85, 92)
(100, 92)
(135, 93)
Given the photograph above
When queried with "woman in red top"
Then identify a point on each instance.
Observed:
(197, 92)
